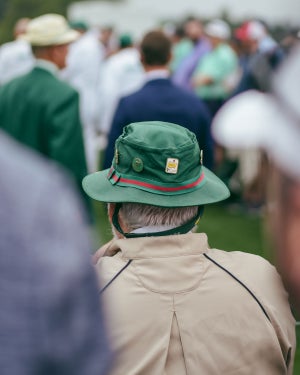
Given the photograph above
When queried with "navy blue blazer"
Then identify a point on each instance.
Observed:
(162, 100)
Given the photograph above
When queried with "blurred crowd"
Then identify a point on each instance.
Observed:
(212, 61)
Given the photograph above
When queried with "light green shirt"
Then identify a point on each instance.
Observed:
(219, 64)
(180, 51)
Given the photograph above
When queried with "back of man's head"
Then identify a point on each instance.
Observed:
(155, 49)
(125, 41)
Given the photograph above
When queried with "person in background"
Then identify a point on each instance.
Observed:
(290, 39)
(181, 47)
(194, 31)
(122, 74)
(83, 71)
(199, 310)
(109, 40)
(16, 57)
(261, 57)
(51, 319)
(213, 72)
(160, 99)
(38, 109)
(266, 42)
(271, 122)
(211, 80)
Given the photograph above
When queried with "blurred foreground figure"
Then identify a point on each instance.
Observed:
(272, 122)
(176, 306)
(50, 316)
(16, 57)
(40, 110)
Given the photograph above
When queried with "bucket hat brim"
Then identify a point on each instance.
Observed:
(98, 187)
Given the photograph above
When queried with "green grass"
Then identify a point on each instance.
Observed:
(225, 230)
(232, 231)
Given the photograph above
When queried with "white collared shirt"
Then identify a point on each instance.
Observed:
(156, 74)
(47, 65)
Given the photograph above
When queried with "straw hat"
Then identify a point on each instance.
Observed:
(48, 30)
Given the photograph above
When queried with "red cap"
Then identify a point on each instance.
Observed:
(251, 30)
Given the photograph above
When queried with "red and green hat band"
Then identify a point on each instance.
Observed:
(116, 178)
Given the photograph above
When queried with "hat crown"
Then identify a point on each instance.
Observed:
(49, 29)
(157, 151)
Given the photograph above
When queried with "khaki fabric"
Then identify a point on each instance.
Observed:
(172, 311)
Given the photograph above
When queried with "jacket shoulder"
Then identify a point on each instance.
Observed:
(243, 262)
(258, 274)
(58, 84)
(36, 80)
(14, 83)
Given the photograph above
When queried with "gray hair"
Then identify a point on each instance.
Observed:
(136, 215)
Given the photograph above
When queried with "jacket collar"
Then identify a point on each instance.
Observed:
(159, 247)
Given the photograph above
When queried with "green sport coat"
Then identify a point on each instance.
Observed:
(42, 112)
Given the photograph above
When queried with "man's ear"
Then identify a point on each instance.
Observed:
(142, 58)
(111, 209)
(52, 53)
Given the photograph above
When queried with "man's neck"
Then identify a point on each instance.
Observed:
(150, 68)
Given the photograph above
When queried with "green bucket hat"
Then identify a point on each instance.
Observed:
(159, 164)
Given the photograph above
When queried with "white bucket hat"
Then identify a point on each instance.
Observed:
(48, 30)
(218, 29)
(268, 121)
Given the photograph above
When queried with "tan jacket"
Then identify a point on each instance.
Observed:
(173, 311)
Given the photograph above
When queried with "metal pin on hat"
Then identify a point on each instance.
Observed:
(116, 156)
(201, 157)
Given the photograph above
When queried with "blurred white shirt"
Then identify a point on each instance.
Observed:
(16, 59)
(123, 74)
(83, 71)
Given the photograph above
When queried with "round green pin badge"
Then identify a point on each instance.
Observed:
(137, 165)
